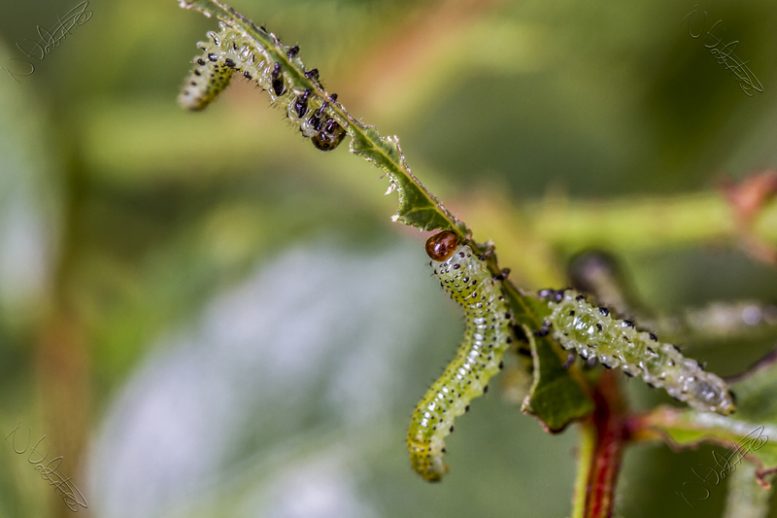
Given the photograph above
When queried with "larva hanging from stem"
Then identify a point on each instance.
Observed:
(488, 334)
(229, 52)
(593, 332)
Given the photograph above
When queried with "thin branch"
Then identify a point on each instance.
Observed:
(602, 442)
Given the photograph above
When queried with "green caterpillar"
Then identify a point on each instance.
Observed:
(488, 334)
(595, 334)
(229, 52)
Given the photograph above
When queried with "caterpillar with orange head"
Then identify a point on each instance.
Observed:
(487, 336)
(591, 331)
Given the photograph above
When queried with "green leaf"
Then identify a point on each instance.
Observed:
(558, 395)
(750, 434)
(417, 206)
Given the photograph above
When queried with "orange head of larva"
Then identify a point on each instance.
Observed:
(442, 245)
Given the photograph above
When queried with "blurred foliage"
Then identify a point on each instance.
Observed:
(150, 243)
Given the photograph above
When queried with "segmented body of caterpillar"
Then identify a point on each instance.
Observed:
(229, 52)
(488, 334)
(594, 333)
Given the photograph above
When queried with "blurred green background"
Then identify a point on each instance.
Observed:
(205, 316)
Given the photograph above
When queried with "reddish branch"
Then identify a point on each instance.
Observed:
(609, 423)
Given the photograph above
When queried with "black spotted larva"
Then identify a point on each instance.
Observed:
(593, 332)
(228, 52)
(488, 334)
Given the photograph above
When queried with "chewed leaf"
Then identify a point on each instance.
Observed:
(751, 434)
(243, 47)
(417, 206)
(558, 395)
(749, 441)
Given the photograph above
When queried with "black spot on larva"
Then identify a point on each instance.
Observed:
(200, 61)
(520, 334)
(571, 312)
(456, 267)
(502, 275)
(604, 311)
(247, 74)
(677, 349)
(653, 337)
(450, 429)
(543, 330)
(229, 62)
(580, 298)
(193, 83)
(544, 293)
(598, 326)
(628, 323)
(293, 51)
(197, 73)
(466, 408)
(312, 74)
(501, 365)
(627, 373)
(315, 121)
(333, 98)
(278, 86)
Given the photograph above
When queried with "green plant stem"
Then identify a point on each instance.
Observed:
(630, 223)
(643, 223)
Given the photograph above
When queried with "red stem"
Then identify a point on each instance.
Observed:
(609, 423)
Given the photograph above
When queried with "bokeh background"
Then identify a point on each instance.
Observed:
(205, 316)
